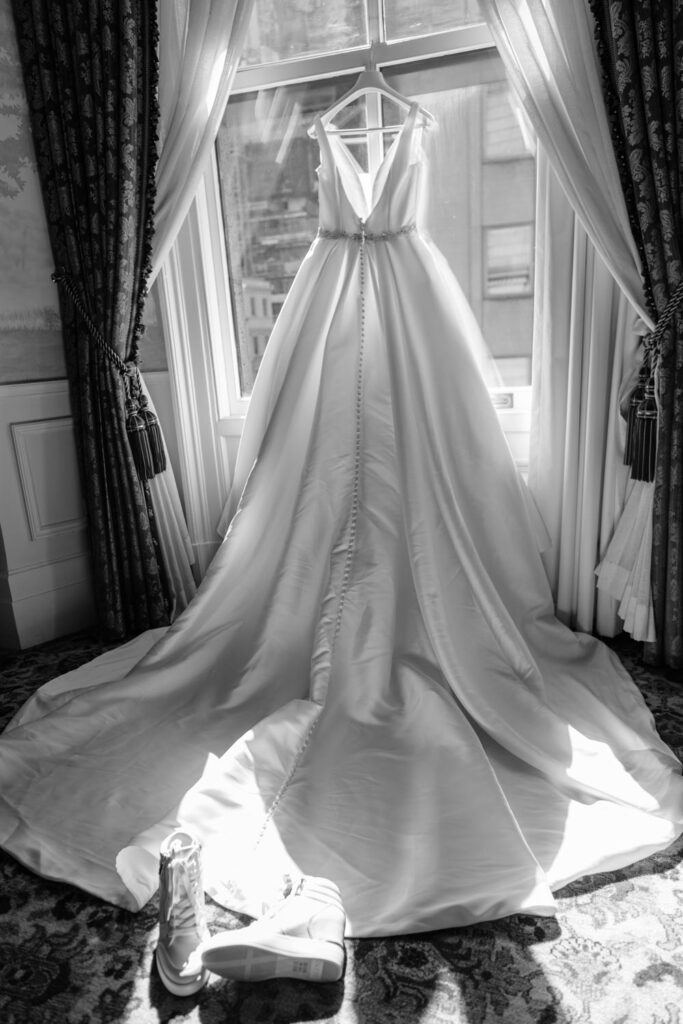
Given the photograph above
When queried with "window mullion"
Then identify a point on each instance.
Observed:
(328, 65)
(375, 142)
(281, 197)
(375, 15)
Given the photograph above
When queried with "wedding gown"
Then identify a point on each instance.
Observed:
(370, 684)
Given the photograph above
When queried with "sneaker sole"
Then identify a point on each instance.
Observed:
(282, 957)
(179, 986)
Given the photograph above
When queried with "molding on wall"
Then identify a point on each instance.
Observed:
(35, 387)
(45, 579)
(45, 575)
(42, 521)
(45, 601)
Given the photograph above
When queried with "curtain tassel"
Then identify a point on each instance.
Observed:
(142, 426)
(645, 454)
(141, 450)
(154, 437)
(643, 413)
(632, 422)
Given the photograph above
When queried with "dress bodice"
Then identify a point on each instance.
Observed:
(393, 203)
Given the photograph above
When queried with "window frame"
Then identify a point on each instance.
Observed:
(383, 54)
(195, 295)
(379, 51)
(487, 293)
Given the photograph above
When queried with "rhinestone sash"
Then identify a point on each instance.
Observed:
(363, 236)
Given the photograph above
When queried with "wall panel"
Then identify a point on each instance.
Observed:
(45, 574)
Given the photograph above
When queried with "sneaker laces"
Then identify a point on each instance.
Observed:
(185, 909)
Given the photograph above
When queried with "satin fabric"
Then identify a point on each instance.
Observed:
(370, 684)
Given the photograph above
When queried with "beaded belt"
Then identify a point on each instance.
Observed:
(367, 236)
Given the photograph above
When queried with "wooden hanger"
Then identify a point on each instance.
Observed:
(370, 81)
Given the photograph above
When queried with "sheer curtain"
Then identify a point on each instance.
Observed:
(548, 50)
(584, 349)
(200, 43)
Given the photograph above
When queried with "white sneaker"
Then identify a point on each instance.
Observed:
(302, 937)
(182, 921)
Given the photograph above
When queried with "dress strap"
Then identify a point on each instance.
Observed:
(323, 142)
(406, 139)
(410, 117)
(324, 139)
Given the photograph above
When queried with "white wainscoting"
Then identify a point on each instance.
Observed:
(45, 588)
(45, 576)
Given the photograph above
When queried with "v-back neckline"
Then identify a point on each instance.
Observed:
(372, 201)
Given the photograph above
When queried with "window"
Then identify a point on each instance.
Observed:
(227, 276)
(279, 31)
(481, 158)
(509, 257)
(408, 19)
(507, 132)
(302, 28)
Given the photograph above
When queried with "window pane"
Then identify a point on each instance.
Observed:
(301, 28)
(509, 258)
(479, 212)
(269, 191)
(470, 198)
(507, 131)
(405, 19)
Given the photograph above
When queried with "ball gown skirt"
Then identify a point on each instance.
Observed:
(370, 684)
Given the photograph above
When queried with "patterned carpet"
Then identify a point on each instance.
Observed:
(614, 954)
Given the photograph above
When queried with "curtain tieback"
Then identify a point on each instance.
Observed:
(643, 415)
(142, 425)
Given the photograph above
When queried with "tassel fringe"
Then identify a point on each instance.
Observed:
(156, 441)
(645, 448)
(142, 428)
(139, 445)
(632, 422)
(643, 414)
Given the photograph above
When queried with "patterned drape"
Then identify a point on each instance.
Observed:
(90, 71)
(641, 48)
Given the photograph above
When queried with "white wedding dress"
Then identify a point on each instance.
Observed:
(370, 684)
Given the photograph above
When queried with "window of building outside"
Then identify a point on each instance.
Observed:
(480, 160)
